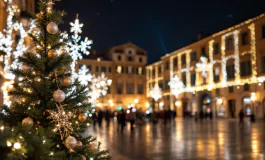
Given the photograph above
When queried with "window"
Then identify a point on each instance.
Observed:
(119, 58)
(193, 56)
(154, 72)
(263, 31)
(130, 59)
(183, 59)
(216, 74)
(130, 51)
(216, 48)
(166, 85)
(230, 71)
(193, 79)
(245, 68)
(229, 44)
(119, 88)
(244, 38)
(103, 69)
(139, 71)
(263, 64)
(130, 70)
(175, 62)
(231, 89)
(217, 92)
(183, 78)
(159, 69)
(130, 88)
(167, 65)
(119, 69)
(97, 69)
(140, 59)
(246, 87)
(203, 52)
(140, 89)
(161, 85)
(109, 69)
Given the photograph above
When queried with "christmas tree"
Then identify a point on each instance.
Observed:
(49, 112)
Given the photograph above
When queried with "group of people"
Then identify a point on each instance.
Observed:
(98, 117)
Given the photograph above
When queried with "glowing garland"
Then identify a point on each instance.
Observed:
(7, 46)
(176, 86)
(223, 61)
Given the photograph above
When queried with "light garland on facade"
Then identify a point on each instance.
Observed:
(236, 56)
(156, 92)
(176, 86)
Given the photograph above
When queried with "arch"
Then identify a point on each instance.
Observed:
(205, 104)
(247, 105)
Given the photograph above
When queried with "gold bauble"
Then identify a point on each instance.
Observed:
(27, 121)
(67, 82)
(70, 142)
(52, 28)
(52, 53)
(37, 79)
(92, 147)
(59, 96)
(82, 117)
(25, 68)
(83, 157)
(79, 144)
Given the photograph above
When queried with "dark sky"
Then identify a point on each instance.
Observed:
(158, 26)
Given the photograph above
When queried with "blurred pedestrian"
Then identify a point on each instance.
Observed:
(132, 118)
(241, 117)
(100, 117)
(196, 116)
(94, 118)
(107, 117)
(201, 115)
(122, 119)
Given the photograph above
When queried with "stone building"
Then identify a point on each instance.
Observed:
(222, 73)
(125, 66)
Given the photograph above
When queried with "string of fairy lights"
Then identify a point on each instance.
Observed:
(205, 67)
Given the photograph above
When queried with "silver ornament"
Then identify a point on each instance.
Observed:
(52, 28)
(79, 144)
(82, 117)
(59, 96)
(67, 82)
(70, 142)
(27, 121)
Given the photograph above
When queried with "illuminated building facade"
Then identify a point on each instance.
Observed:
(222, 73)
(125, 66)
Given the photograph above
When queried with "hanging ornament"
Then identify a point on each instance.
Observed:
(92, 147)
(79, 144)
(52, 53)
(27, 121)
(52, 28)
(67, 82)
(25, 68)
(37, 79)
(82, 117)
(83, 157)
(59, 96)
(70, 142)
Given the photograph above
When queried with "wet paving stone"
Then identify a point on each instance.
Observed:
(185, 139)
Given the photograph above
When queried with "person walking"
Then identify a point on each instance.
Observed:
(241, 117)
(100, 117)
(132, 118)
(107, 117)
(122, 120)
(94, 118)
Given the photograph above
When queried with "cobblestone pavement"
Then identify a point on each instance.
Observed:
(184, 139)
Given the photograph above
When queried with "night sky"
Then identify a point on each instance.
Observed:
(158, 26)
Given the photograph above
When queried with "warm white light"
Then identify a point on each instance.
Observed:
(136, 100)
(110, 101)
(161, 104)
(178, 103)
(220, 101)
(253, 97)
(17, 145)
(147, 105)
(176, 86)
(156, 92)
(9, 144)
